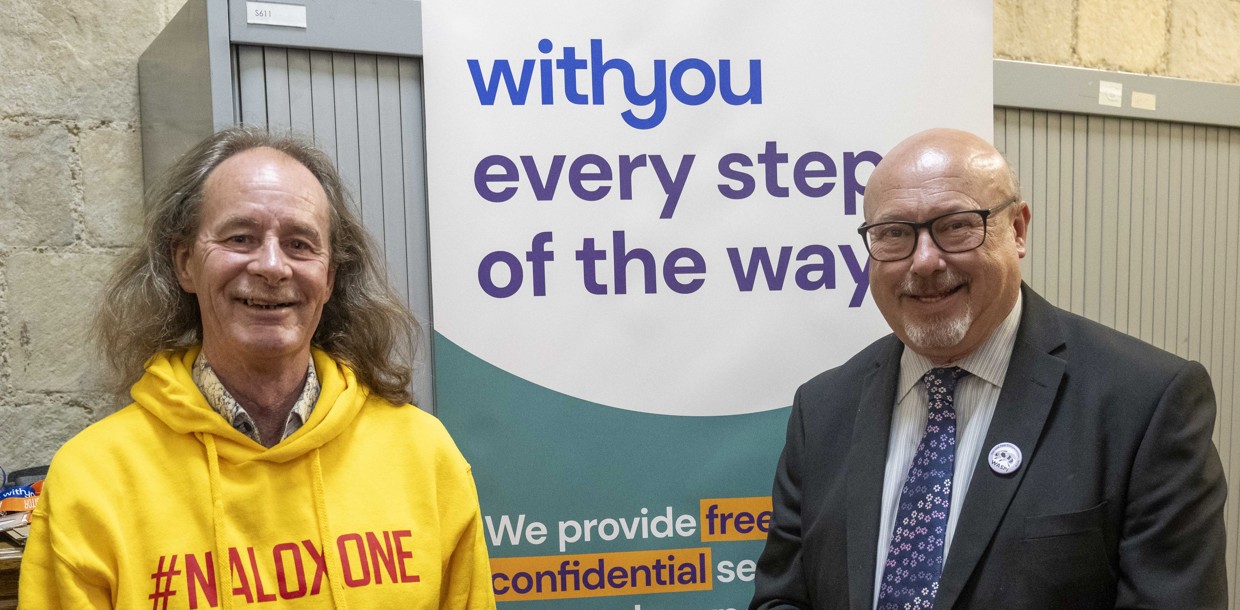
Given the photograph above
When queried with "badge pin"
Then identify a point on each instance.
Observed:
(1004, 458)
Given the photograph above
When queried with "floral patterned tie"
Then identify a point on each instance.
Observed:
(915, 557)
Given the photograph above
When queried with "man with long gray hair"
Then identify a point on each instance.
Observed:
(270, 451)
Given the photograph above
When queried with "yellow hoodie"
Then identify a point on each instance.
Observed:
(164, 505)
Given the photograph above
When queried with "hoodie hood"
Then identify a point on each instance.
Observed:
(163, 392)
(167, 392)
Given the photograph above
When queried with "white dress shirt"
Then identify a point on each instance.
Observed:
(976, 396)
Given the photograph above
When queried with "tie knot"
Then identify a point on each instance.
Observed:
(941, 382)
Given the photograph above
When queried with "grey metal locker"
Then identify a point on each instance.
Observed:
(1136, 214)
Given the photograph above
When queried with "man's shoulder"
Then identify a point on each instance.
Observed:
(127, 434)
(118, 428)
(857, 367)
(407, 421)
(1087, 341)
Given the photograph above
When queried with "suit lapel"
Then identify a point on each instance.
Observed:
(1028, 394)
(867, 458)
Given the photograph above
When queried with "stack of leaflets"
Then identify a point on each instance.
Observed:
(15, 528)
(18, 497)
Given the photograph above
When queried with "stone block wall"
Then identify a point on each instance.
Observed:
(70, 163)
(70, 202)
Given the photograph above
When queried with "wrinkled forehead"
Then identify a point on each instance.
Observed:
(269, 179)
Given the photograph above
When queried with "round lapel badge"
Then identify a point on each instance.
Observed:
(1004, 458)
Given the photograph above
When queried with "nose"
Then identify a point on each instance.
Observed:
(927, 258)
(270, 262)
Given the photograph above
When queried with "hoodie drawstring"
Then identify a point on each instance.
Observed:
(223, 573)
(335, 578)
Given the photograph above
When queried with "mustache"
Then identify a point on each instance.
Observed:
(938, 283)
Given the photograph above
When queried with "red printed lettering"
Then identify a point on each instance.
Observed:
(263, 596)
(320, 566)
(347, 565)
(238, 570)
(402, 555)
(381, 556)
(366, 558)
(282, 572)
(200, 578)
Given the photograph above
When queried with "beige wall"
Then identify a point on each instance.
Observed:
(70, 171)
(1194, 39)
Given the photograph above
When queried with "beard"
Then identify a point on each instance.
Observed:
(939, 333)
(943, 331)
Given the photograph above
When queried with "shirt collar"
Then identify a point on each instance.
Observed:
(988, 363)
(222, 401)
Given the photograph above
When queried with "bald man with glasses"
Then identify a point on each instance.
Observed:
(995, 451)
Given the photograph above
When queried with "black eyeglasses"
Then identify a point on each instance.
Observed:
(952, 232)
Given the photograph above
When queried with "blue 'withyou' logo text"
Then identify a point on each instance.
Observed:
(574, 72)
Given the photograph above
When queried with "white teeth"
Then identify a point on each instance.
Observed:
(250, 303)
(929, 298)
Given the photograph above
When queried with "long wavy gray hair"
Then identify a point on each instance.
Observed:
(145, 311)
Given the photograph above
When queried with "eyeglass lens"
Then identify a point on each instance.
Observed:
(956, 232)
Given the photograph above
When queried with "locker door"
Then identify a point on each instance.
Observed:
(365, 111)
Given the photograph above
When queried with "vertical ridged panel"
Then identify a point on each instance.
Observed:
(1135, 225)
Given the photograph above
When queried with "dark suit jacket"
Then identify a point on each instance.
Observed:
(1118, 501)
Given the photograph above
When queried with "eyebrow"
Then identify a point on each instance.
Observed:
(232, 222)
(898, 218)
(298, 228)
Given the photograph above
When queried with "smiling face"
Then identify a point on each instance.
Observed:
(260, 264)
(944, 306)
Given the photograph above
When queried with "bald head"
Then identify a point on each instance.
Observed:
(936, 154)
(945, 305)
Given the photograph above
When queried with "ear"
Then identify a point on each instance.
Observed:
(181, 255)
(1020, 227)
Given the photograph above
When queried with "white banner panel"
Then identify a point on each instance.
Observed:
(652, 207)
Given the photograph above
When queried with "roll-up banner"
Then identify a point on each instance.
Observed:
(643, 239)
